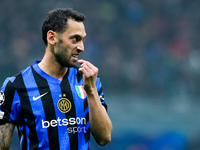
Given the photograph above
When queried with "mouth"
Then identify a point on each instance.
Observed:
(75, 57)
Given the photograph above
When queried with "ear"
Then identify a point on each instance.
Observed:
(52, 37)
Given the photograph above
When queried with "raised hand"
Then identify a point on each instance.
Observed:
(90, 73)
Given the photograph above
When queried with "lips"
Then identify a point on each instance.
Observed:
(75, 57)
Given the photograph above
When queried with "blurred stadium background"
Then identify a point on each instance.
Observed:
(148, 54)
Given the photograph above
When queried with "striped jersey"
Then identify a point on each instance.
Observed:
(50, 114)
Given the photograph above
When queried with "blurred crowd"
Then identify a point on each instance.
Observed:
(140, 46)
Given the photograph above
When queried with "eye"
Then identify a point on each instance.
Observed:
(76, 39)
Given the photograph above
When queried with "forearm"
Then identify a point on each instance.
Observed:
(100, 123)
(6, 134)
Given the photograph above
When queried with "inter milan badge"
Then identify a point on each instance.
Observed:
(64, 105)
(2, 97)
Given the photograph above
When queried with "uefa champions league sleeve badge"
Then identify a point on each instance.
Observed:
(2, 97)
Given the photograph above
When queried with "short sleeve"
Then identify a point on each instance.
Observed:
(100, 92)
(9, 103)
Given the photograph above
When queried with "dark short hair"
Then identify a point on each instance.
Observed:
(56, 20)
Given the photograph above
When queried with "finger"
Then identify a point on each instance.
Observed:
(87, 71)
(87, 68)
(92, 68)
(88, 64)
(81, 61)
(83, 70)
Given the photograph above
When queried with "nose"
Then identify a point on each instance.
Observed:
(80, 47)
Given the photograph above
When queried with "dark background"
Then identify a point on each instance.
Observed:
(148, 55)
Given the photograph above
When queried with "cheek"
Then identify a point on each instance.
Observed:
(71, 46)
(70, 43)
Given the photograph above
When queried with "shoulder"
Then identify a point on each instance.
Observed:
(10, 82)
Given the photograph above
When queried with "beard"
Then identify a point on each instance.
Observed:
(62, 55)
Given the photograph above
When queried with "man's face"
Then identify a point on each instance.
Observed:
(70, 44)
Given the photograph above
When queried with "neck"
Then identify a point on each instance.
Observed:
(50, 66)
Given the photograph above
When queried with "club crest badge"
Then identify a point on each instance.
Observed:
(2, 97)
(64, 105)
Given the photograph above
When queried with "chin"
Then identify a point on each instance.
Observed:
(69, 65)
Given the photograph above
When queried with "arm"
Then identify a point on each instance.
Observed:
(6, 134)
(100, 123)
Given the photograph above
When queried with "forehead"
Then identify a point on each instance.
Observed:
(75, 28)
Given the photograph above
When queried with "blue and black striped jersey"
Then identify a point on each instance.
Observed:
(50, 114)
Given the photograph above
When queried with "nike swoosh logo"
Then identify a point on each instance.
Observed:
(36, 98)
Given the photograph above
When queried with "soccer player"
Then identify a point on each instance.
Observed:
(54, 104)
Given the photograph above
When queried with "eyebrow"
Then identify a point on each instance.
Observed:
(79, 36)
